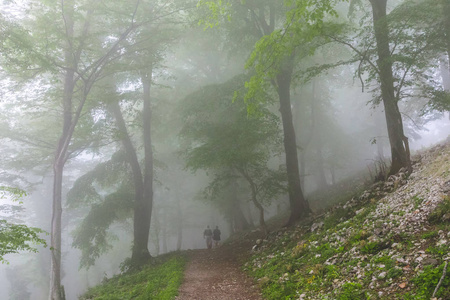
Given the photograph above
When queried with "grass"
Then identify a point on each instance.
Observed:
(158, 281)
(345, 260)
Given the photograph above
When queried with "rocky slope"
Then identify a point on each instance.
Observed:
(391, 242)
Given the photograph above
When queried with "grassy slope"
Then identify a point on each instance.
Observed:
(389, 243)
(159, 281)
(375, 246)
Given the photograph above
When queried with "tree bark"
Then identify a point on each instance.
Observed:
(237, 217)
(446, 14)
(179, 225)
(71, 117)
(394, 121)
(298, 204)
(143, 208)
(445, 72)
(255, 201)
(60, 159)
(249, 214)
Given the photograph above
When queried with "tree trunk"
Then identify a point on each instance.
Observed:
(143, 208)
(445, 61)
(133, 160)
(255, 201)
(445, 73)
(240, 222)
(394, 122)
(164, 229)
(157, 232)
(60, 159)
(446, 13)
(238, 217)
(249, 214)
(321, 179)
(298, 204)
(333, 174)
(55, 278)
(180, 225)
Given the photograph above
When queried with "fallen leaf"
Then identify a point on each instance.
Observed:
(402, 285)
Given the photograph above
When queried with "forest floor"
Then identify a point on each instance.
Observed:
(216, 274)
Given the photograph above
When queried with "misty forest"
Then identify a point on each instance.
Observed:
(314, 134)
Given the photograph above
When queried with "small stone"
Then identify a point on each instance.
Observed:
(316, 226)
(441, 242)
(430, 261)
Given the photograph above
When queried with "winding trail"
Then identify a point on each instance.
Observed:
(215, 274)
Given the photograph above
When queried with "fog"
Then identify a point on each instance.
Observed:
(119, 109)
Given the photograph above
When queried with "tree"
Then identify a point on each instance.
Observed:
(77, 50)
(273, 61)
(399, 142)
(234, 146)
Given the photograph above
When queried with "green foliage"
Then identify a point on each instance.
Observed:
(351, 291)
(107, 175)
(299, 37)
(158, 281)
(439, 100)
(220, 137)
(17, 237)
(427, 281)
(394, 273)
(417, 201)
(358, 236)
(14, 194)
(217, 10)
(371, 248)
(92, 236)
(430, 235)
(336, 217)
(440, 251)
(441, 210)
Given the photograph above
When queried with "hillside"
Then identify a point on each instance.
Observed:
(391, 242)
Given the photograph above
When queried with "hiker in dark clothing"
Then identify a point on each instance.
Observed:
(207, 234)
(216, 236)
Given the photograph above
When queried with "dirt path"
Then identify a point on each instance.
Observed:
(215, 274)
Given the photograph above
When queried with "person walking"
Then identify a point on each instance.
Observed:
(207, 234)
(216, 236)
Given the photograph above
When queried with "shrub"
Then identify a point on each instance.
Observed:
(427, 281)
(351, 291)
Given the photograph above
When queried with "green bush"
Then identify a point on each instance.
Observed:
(370, 248)
(427, 281)
(430, 235)
(394, 273)
(351, 291)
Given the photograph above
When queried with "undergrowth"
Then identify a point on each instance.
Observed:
(158, 281)
(353, 252)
